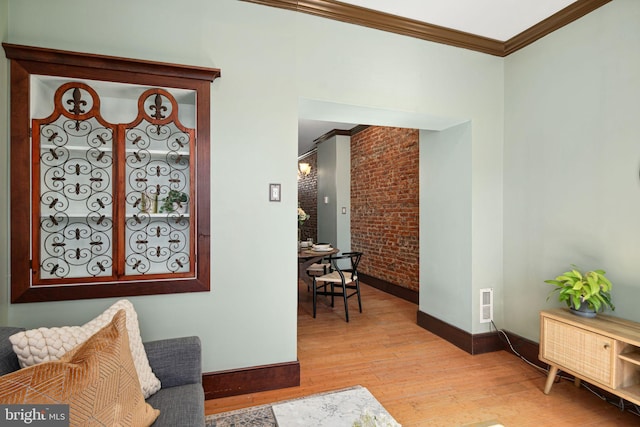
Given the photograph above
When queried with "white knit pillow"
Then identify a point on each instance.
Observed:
(49, 344)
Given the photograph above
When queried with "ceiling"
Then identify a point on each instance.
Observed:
(310, 130)
(495, 19)
(496, 27)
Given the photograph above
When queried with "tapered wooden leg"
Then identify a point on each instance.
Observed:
(552, 375)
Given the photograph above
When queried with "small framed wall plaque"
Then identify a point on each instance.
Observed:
(274, 192)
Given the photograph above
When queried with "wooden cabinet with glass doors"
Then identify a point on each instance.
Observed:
(115, 176)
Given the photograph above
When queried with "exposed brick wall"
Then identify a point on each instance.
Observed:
(385, 203)
(308, 197)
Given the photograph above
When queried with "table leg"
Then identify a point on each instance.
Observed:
(552, 375)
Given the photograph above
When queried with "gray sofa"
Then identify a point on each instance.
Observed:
(177, 364)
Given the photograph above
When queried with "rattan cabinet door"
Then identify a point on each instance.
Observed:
(583, 352)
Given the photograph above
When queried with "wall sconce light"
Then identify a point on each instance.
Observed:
(303, 169)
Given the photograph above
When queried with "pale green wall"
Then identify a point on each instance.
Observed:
(248, 318)
(271, 59)
(568, 107)
(571, 162)
(445, 224)
(390, 80)
(327, 187)
(334, 182)
(343, 193)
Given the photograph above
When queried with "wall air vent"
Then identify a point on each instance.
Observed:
(486, 305)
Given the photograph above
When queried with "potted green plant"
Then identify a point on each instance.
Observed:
(586, 294)
(175, 201)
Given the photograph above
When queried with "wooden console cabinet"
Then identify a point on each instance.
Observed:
(604, 351)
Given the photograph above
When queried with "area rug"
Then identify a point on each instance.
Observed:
(255, 416)
(331, 409)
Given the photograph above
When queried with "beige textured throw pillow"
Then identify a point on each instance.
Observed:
(49, 344)
(97, 379)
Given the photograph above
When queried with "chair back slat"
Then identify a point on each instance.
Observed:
(354, 260)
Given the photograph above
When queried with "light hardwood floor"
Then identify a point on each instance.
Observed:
(421, 379)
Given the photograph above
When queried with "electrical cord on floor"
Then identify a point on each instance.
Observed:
(506, 337)
(622, 404)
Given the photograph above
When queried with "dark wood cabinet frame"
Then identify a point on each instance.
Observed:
(27, 61)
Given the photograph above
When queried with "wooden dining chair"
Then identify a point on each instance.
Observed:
(341, 282)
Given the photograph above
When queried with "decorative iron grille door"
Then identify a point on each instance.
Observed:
(158, 175)
(112, 202)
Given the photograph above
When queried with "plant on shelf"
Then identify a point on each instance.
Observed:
(174, 201)
(586, 294)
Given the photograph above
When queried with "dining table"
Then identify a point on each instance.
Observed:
(308, 256)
